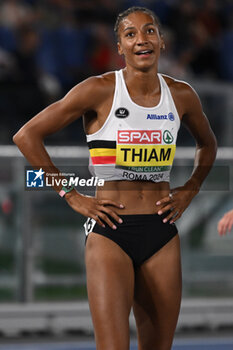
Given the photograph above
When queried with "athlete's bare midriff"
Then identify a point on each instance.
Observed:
(138, 197)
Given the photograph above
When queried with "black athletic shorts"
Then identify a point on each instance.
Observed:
(140, 236)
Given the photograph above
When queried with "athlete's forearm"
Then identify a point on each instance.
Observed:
(203, 162)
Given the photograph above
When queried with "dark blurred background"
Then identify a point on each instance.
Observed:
(47, 47)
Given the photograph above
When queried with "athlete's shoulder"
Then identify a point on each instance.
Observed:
(93, 90)
(103, 81)
(185, 97)
(100, 87)
(179, 87)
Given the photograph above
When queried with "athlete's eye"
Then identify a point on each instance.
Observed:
(150, 30)
(130, 35)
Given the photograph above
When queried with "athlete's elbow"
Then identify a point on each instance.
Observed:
(18, 137)
(24, 138)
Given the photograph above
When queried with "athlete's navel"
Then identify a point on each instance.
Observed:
(140, 195)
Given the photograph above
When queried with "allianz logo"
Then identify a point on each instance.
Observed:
(156, 116)
(169, 116)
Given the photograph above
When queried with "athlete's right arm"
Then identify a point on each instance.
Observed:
(30, 141)
(55, 117)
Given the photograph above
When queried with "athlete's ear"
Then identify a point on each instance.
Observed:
(162, 43)
(119, 49)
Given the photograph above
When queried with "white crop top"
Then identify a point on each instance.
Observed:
(135, 142)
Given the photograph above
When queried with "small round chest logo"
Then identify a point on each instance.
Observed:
(122, 112)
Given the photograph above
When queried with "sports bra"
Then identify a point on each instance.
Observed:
(135, 142)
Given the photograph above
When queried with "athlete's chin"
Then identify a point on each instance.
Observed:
(146, 67)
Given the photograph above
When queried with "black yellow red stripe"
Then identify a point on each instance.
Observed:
(102, 151)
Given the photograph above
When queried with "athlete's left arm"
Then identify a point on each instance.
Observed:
(198, 125)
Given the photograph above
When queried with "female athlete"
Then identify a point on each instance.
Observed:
(131, 118)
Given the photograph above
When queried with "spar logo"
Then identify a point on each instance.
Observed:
(139, 137)
(143, 148)
(167, 137)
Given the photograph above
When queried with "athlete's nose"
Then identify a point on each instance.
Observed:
(142, 39)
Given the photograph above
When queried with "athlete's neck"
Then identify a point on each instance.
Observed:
(141, 83)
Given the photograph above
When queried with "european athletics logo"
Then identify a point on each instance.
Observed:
(35, 178)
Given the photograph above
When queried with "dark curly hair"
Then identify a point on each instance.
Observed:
(133, 9)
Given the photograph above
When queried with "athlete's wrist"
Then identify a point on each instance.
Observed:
(66, 190)
(193, 185)
(70, 194)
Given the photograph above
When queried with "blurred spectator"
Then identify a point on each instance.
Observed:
(71, 51)
(226, 223)
(205, 33)
(181, 21)
(110, 11)
(226, 47)
(210, 17)
(15, 13)
(25, 54)
(170, 63)
(7, 38)
(104, 56)
(203, 59)
(20, 86)
(7, 66)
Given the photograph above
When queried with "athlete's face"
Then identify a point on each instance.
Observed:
(140, 41)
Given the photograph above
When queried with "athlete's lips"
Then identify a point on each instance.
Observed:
(143, 52)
